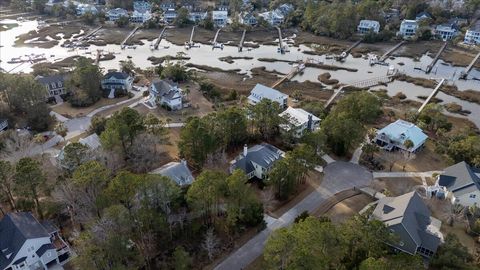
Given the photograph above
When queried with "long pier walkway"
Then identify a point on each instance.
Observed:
(122, 45)
(434, 92)
(345, 53)
(362, 84)
(90, 34)
(295, 70)
(394, 48)
(240, 45)
(435, 59)
(215, 44)
(159, 39)
(467, 70)
(281, 47)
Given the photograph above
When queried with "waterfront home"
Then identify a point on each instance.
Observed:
(177, 172)
(140, 17)
(285, 9)
(394, 136)
(142, 6)
(166, 94)
(257, 161)
(273, 17)
(365, 26)
(220, 17)
(116, 13)
(409, 219)
(299, 120)
(197, 15)
(261, 91)
(86, 8)
(167, 5)
(247, 18)
(25, 243)
(408, 28)
(423, 16)
(169, 15)
(446, 31)
(54, 84)
(472, 36)
(3, 124)
(117, 82)
(460, 183)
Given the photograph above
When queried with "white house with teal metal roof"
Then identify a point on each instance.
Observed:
(394, 136)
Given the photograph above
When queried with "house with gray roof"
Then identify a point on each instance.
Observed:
(166, 93)
(257, 161)
(54, 84)
(25, 243)
(409, 219)
(177, 172)
(116, 82)
(261, 91)
(460, 183)
(3, 124)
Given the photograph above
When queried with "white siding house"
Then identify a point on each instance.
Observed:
(408, 28)
(394, 136)
(260, 92)
(446, 31)
(166, 94)
(300, 120)
(366, 26)
(140, 17)
(220, 17)
(472, 36)
(116, 13)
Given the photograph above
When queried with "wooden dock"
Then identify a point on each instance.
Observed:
(394, 48)
(345, 53)
(434, 92)
(122, 45)
(240, 45)
(159, 39)
(362, 84)
(435, 59)
(215, 44)
(467, 70)
(90, 34)
(281, 48)
(295, 70)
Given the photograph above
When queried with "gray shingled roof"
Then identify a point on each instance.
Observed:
(15, 229)
(50, 79)
(116, 74)
(460, 179)
(410, 211)
(44, 249)
(176, 171)
(263, 154)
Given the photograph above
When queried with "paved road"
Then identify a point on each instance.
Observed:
(403, 174)
(339, 176)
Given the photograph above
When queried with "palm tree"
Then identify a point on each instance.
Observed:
(408, 144)
(61, 130)
(371, 133)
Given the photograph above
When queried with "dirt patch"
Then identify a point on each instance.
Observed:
(396, 186)
(347, 208)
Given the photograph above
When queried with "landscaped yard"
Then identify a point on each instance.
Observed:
(396, 186)
(347, 208)
(68, 111)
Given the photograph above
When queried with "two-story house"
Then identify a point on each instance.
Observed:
(261, 91)
(299, 121)
(220, 17)
(166, 94)
(446, 31)
(167, 5)
(82, 9)
(116, 83)
(408, 218)
(273, 17)
(460, 183)
(257, 161)
(142, 6)
(197, 15)
(247, 18)
(26, 244)
(116, 13)
(472, 36)
(408, 28)
(365, 26)
(394, 136)
(54, 84)
(170, 15)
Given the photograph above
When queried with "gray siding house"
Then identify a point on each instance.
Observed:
(408, 217)
(54, 84)
(177, 172)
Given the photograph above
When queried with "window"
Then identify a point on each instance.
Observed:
(473, 196)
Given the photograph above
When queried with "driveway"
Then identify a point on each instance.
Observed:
(339, 176)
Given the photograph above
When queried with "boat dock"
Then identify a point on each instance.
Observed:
(345, 53)
(435, 59)
(434, 92)
(464, 74)
(215, 44)
(362, 84)
(122, 45)
(394, 48)
(159, 39)
(240, 45)
(90, 34)
(295, 70)
(282, 48)
(189, 44)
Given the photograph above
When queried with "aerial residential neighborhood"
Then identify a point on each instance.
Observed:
(239, 135)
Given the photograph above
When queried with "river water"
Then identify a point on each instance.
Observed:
(204, 55)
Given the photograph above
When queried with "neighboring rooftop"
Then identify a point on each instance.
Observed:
(460, 179)
(262, 154)
(176, 171)
(49, 79)
(261, 91)
(401, 130)
(116, 74)
(298, 116)
(92, 141)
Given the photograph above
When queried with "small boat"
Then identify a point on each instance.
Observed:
(166, 47)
